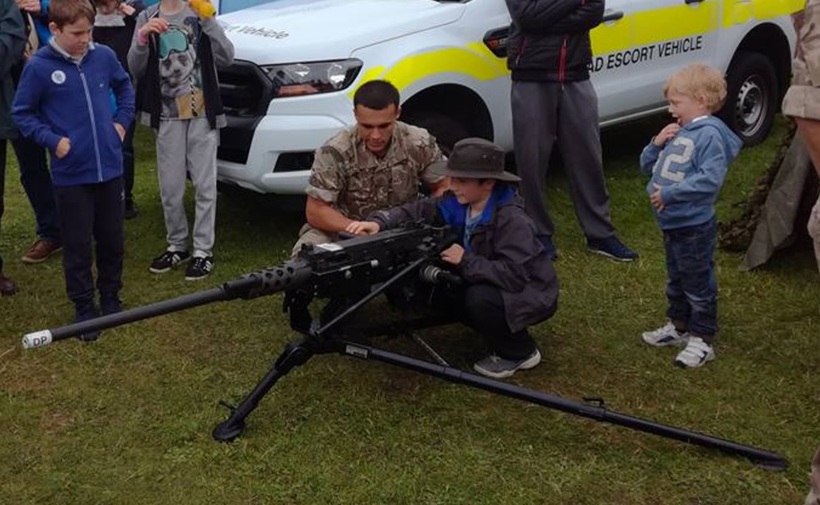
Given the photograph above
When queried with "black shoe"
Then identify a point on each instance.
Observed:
(110, 304)
(168, 260)
(86, 312)
(612, 248)
(131, 210)
(549, 247)
(199, 268)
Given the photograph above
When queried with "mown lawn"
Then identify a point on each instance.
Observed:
(127, 420)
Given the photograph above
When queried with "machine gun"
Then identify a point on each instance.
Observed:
(349, 274)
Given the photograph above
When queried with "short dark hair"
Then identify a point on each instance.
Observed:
(376, 95)
(66, 12)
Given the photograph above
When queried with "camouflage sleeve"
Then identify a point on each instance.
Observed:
(429, 153)
(327, 179)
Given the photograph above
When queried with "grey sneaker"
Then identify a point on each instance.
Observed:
(664, 336)
(168, 260)
(500, 368)
(696, 354)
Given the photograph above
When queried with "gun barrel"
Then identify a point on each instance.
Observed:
(265, 282)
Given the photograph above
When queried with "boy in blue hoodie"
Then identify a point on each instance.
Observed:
(63, 103)
(510, 283)
(688, 160)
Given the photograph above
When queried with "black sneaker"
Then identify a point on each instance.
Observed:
(199, 268)
(86, 312)
(612, 248)
(168, 260)
(110, 304)
(131, 210)
(549, 247)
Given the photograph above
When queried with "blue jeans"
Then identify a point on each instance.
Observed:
(36, 180)
(692, 286)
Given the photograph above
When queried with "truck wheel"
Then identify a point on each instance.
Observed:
(751, 99)
(447, 130)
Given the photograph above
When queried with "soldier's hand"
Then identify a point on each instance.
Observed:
(362, 228)
(63, 146)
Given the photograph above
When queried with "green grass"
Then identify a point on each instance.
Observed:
(127, 420)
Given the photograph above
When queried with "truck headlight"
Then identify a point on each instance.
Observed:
(297, 79)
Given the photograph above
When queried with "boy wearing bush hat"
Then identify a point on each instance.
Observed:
(509, 280)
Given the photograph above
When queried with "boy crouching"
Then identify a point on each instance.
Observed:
(510, 283)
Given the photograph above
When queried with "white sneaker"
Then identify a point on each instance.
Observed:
(696, 354)
(665, 336)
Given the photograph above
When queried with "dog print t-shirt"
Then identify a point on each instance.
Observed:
(179, 68)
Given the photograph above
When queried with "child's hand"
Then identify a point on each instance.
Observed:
(656, 199)
(362, 228)
(203, 8)
(120, 130)
(63, 146)
(667, 133)
(453, 254)
(154, 25)
(127, 9)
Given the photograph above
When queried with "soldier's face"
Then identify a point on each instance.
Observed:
(375, 127)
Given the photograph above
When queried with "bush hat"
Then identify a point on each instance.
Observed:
(475, 158)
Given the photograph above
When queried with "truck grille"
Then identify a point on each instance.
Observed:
(246, 92)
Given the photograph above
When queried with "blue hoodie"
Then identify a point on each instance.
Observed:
(689, 170)
(62, 97)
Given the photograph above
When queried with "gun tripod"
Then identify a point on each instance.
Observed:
(328, 339)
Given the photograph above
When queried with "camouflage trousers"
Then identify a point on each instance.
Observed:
(814, 230)
(310, 235)
(803, 97)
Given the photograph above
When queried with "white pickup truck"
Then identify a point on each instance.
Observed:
(298, 63)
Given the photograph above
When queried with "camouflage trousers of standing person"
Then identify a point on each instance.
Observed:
(802, 99)
(814, 230)
(803, 96)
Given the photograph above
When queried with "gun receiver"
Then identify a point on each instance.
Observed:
(349, 274)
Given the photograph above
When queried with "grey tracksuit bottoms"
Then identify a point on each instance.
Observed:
(567, 113)
(188, 146)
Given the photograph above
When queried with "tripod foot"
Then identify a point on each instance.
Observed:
(228, 430)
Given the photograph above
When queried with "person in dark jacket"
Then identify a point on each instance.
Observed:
(31, 157)
(63, 103)
(510, 283)
(114, 27)
(553, 101)
(12, 44)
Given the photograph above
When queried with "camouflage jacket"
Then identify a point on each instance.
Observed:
(357, 183)
(806, 65)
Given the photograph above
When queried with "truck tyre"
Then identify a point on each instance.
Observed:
(447, 130)
(751, 99)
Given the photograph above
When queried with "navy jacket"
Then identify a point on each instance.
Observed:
(503, 252)
(58, 97)
(549, 39)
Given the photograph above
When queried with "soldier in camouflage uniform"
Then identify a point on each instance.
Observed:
(375, 165)
(802, 100)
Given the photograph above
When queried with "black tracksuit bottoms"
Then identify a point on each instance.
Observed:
(91, 214)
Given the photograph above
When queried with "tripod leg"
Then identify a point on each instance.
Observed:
(294, 355)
